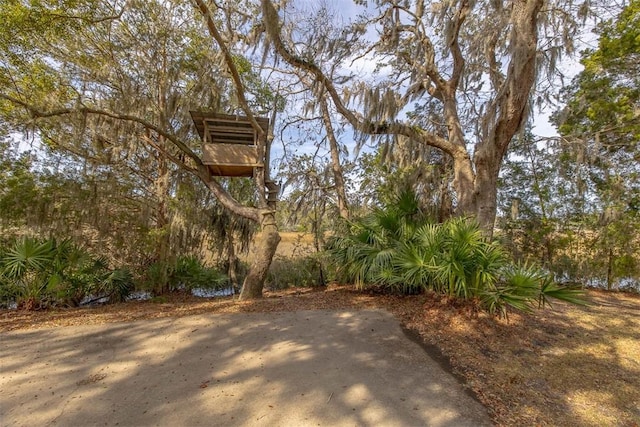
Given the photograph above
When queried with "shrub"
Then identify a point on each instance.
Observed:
(117, 285)
(155, 277)
(36, 274)
(300, 271)
(400, 249)
(186, 273)
(190, 273)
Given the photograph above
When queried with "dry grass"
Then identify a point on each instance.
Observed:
(563, 367)
(292, 245)
(295, 244)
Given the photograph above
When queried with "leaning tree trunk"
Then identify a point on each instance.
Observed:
(463, 184)
(336, 167)
(266, 242)
(266, 245)
(488, 159)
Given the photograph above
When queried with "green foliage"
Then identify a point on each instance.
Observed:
(572, 204)
(308, 186)
(155, 277)
(117, 284)
(301, 271)
(190, 273)
(264, 99)
(18, 186)
(604, 98)
(398, 248)
(404, 165)
(36, 274)
(102, 181)
(368, 254)
(186, 273)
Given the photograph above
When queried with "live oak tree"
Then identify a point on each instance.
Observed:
(118, 79)
(472, 67)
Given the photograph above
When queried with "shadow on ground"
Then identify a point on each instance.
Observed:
(290, 368)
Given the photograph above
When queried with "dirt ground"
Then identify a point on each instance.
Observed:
(564, 366)
(245, 370)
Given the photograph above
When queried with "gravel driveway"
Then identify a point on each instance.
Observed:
(304, 368)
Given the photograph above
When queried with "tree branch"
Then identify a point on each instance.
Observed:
(225, 198)
(262, 173)
(201, 171)
(233, 70)
(272, 25)
(458, 60)
(510, 105)
(36, 113)
(170, 156)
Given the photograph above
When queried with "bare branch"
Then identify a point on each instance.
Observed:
(272, 24)
(38, 114)
(228, 58)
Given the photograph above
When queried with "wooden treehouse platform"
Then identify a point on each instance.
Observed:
(230, 143)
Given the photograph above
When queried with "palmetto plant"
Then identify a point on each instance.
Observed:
(26, 266)
(37, 273)
(189, 272)
(399, 248)
(115, 285)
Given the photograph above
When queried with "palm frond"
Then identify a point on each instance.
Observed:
(398, 248)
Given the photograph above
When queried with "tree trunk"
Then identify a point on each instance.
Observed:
(610, 270)
(336, 167)
(232, 260)
(507, 112)
(485, 192)
(445, 207)
(267, 243)
(162, 232)
(463, 185)
(463, 175)
(476, 191)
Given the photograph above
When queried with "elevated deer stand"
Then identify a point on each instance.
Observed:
(230, 143)
(232, 149)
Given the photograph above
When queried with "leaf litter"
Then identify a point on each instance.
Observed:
(565, 366)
